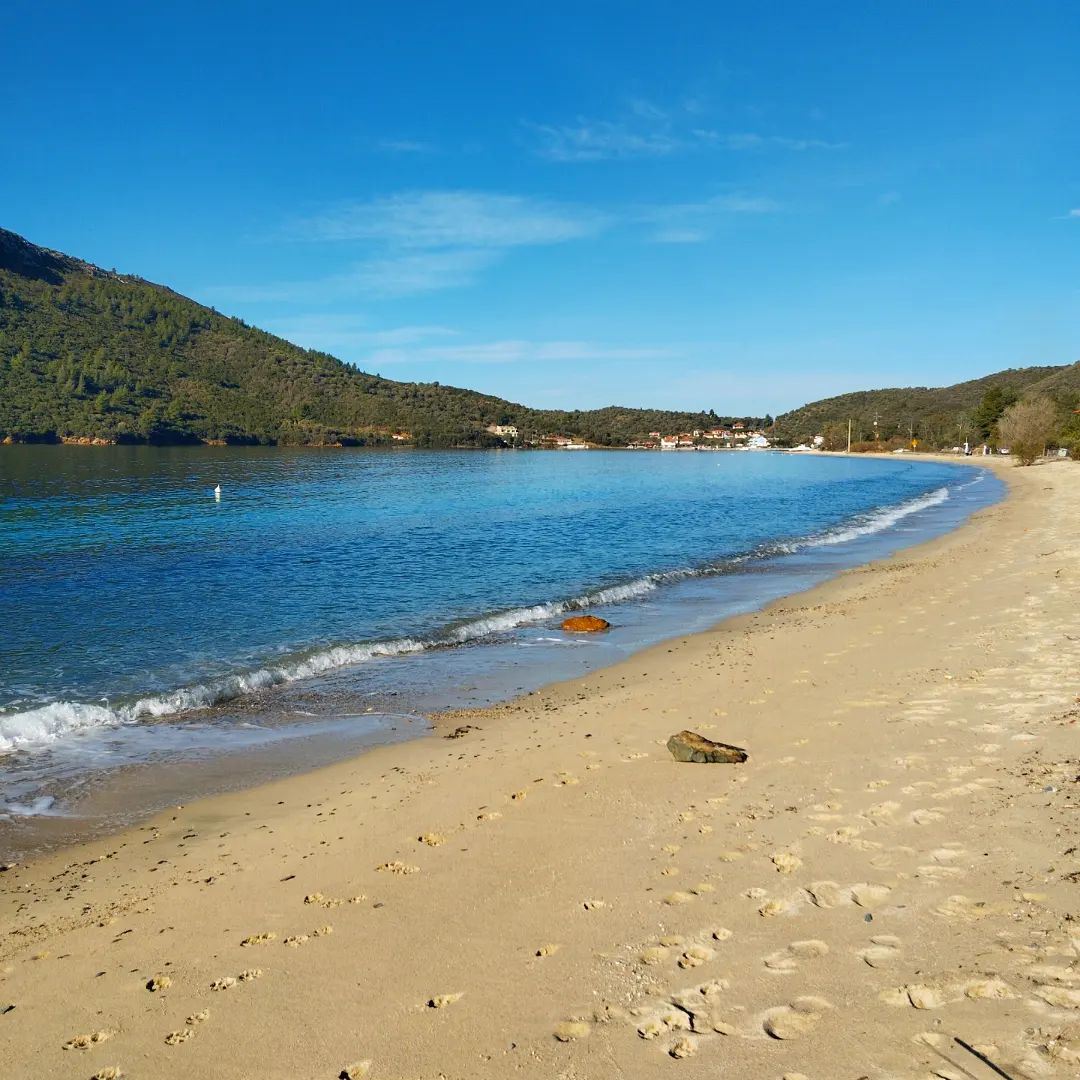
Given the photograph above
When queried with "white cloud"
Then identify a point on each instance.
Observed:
(512, 351)
(406, 146)
(437, 219)
(408, 274)
(1074, 213)
(748, 140)
(680, 236)
(648, 130)
(691, 223)
(341, 333)
(386, 276)
(601, 140)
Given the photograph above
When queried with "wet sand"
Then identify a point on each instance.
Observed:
(550, 895)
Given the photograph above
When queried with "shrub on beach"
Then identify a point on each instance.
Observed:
(1027, 427)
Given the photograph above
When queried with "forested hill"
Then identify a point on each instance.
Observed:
(90, 353)
(937, 415)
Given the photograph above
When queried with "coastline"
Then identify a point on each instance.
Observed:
(134, 770)
(896, 783)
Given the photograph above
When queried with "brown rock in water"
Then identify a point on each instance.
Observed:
(585, 624)
(689, 746)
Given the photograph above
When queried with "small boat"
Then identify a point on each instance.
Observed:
(575, 446)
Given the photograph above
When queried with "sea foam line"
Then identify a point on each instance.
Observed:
(45, 724)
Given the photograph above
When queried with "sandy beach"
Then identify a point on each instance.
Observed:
(886, 888)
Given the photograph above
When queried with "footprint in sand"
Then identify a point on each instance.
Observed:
(828, 894)
(174, 1038)
(676, 898)
(357, 1070)
(1053, 973)
(993, 989)
(260, 939)
(881, 812)
(548, 950)
(322, 901)
(918, 996)
(397, 867)
(226, 983)
(786, 862)
(961, 907)
(653, 955)
(569, 1030)
(786, 960)
(695, 956)
(692, 1009)
(882, 951)
(1063, 997)
(440, 1001)
(867, 895)
(797, 1019)
(682, 1048)
(84, 1042)
(771, 908)
(198, 1018)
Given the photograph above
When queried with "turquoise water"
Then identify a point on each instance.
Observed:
(133, 598)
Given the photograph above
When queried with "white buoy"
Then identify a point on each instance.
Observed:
(217, 493)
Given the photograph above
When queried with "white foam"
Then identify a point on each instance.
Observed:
(874, 522)
(45, 724)
(42, 806)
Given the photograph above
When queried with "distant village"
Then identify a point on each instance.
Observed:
(737, 436)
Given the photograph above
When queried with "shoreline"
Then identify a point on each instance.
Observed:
(889, 869)
(132, 792)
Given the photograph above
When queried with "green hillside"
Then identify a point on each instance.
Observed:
(90, 353)
(938, 416)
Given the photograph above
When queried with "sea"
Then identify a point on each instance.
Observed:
(163, 639)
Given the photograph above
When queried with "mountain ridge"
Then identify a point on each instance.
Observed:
(88, 354)
(936, 415)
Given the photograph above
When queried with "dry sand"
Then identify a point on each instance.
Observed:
(551, 896)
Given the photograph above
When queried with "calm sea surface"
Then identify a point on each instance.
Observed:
(144, 617)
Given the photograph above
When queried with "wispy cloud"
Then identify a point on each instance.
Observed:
(675, 235)
(645, 129)
(513, 351)
(344, 334)
(439, 219)
(692, 223)
(385, 277)
(750, 140)
(600, 140)
(406, 146)
(423, 241)
(1074, 213)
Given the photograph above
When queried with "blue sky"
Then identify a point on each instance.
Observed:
(735, 206)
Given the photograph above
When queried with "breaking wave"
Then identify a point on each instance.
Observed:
(45, 724)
